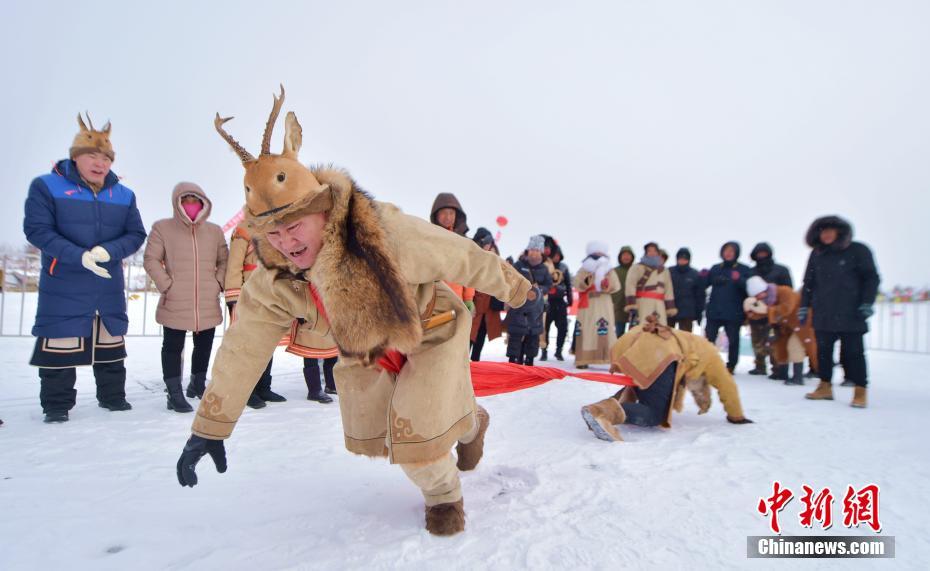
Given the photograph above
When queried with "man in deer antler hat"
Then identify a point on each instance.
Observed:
(85, 221)
(338, 259)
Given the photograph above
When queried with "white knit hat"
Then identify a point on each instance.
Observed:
(596, 247)
(755, 285)
(536, 243)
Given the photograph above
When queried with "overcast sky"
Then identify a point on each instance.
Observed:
(689, 123)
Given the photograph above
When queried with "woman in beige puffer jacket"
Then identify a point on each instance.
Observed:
(186, 258)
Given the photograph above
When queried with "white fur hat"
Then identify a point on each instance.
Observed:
(536, 243)
(597, 247)
(755, 285)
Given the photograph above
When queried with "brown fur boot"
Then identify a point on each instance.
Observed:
(470, 454)
(601, 418)
(824, 391)
(446, 519)
(858, 397)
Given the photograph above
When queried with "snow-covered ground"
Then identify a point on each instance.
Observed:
(99, 492)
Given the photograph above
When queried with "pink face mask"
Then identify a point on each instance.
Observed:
(192, 209)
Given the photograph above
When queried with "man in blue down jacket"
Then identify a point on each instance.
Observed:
(727, 281)
(84, 222)
(690, 292)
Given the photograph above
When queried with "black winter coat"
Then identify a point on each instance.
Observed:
(773, 273)
(836, 283)
(726, 293)
(690, 294)
(528, 319)
(560, 296)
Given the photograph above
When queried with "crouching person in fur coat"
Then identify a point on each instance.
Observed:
(662, 362)
(342, 262)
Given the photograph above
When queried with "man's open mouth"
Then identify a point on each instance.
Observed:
(298, 253)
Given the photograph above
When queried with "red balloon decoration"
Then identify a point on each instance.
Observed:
(502, 221)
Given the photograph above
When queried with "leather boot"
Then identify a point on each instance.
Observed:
(469, 454)
(858, 397)
(601, 418)
(315, 387)
(544, 356)
(760, 368)
(197, 385)
(446, 519)
(558, 355)
(176, 400)
(797, 374)
(824, 391)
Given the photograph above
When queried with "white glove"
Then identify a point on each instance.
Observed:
(90, 258)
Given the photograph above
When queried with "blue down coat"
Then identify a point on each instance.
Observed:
(65, 218)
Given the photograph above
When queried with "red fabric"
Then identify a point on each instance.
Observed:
(583, 298)
(392, 361)
(605, 284)
(651, 295)
(491, 378)
(249, 267)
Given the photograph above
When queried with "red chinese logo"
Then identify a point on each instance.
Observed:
(774, 504)
(859, 507)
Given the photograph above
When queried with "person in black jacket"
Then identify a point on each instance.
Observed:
(560, 299)
(727, 282)
(760, 330)
(525, 324)
(689, 292)
(840, 285)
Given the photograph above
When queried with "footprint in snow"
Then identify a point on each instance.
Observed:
(511, 482)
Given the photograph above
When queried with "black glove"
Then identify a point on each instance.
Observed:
(194, 450)
(743, 420)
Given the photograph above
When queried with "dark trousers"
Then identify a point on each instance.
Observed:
(559, 316)
(264, 382)
(652, 408)
(852, 356)
(312, 373)
(480, 338)
(57, 394)
(732, 330)
(172, 348)
(522, 349)
(683, 324)
(620, 327)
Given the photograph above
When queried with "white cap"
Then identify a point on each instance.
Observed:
(755, 285)
(596, 247)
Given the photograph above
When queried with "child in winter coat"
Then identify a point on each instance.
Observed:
(186, 257)
(524, 325)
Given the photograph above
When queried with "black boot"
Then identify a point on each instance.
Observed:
(797, 374)
(780, 373)
(811, 374)
(759, 369)
(197, 385)
(528, 361)
(263, 388)
(544, 356)
(111, 386)
(255, 401)
(115, 405)
(56, 416)
(558, 355)
(314, 386)
(176, 400)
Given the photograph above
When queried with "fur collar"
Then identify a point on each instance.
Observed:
(369, 303)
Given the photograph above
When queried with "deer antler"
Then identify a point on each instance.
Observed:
(269, 126)
(89, 122)
(244, 155)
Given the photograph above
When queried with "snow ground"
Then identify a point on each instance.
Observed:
(99, 492)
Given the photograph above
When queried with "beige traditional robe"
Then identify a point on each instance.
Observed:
(415, 416)
(642, 282)
(594, 328)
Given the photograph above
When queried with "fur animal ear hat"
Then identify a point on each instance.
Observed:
(89, 140)
(278, 188)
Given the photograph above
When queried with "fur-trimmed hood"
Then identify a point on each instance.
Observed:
(369, 305)
(843, 229)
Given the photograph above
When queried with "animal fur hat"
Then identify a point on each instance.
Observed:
(596, 247)
(278, 188)
(89, 140)
(369, 304)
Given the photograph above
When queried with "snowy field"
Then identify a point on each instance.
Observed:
(99, 492)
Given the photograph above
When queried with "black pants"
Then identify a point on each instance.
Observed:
(312, 373)
(682, 324)
(559, 316)
(732, 330)
(852, 356)
(654, 402)
(522, 349)
(57, 392)
(172, 348)
(480, 338)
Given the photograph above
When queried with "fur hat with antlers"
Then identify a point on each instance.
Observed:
(278, 188)
(90, 141)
